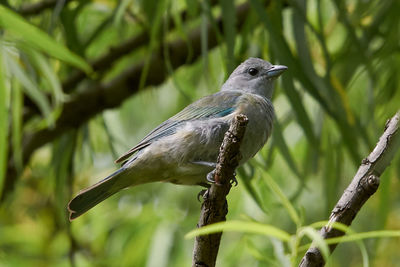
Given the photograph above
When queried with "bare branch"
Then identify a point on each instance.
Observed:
(362, 187)
(215, 206)
(37, 8)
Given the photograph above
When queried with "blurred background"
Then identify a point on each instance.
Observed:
(83, 81)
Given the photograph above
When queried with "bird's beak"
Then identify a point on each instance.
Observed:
(275, 71)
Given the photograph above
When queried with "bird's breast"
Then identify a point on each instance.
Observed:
(260, 112)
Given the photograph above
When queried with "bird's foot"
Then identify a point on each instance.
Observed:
(234, 181)
(210, 177)
(202, 194)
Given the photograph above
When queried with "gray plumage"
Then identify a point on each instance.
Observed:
(184, 148)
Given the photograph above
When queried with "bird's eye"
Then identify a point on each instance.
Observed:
(253, 71)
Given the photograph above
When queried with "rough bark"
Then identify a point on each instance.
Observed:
(362, 187)
(215, 206)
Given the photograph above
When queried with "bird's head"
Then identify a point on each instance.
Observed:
(254, 75)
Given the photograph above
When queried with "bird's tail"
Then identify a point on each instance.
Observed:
(93, 195)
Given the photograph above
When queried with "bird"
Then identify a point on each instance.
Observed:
(184, 148)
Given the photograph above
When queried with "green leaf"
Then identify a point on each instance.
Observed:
(16, 108)
(365, 235)
(284, 200)
(229, 22)
(204, 34)
(35, 37)
(4, 99)
(30, 88)
(351, 237)
(260, 254)
(298, 107)
(251, 190)
(344, 228)
(120, 11)
(192, 7)
(155, 28)
(48, 73)
(63, 151)
(282, 50)
(239, 226)
(317, 240)
(305, 59)
(280, 142)
(336, 225)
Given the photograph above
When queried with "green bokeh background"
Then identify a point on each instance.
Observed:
(331, 106)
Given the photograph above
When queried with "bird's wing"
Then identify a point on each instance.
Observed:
(218, 105)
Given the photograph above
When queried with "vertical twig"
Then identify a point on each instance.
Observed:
(215, 206)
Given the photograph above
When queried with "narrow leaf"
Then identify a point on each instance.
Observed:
(280, 142)
(3, 122)
(239, 226)
(16, 108)
(317, 240)
(298, 108)
(48, 73)
(365, 235)
(284, 200)
(229, 22)
(30, 87)
(34, 36)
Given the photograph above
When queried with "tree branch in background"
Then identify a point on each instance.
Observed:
(104, 62)
(362, 187)
(36, 8)
(87, 104)
(215, 206)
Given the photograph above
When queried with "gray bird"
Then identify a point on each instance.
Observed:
(184, 148)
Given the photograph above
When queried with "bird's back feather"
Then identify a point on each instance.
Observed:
(203, 108)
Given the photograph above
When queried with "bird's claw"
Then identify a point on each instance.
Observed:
(210, 177)
(201, 194)
(234, 181)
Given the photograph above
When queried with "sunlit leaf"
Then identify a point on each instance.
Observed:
(317, 240)
(354, 237)
(239, 226)
(4, 103)
(364, 235)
